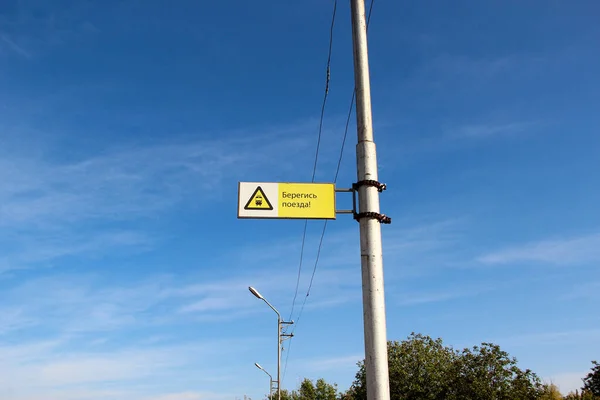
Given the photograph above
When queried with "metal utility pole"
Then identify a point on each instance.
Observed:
(270, 380)
(368, 187)
(280, 337)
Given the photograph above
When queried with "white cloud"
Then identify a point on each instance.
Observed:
(211, 304)
(34, 368)
(578, 250)
(52, 207)
(89, 359)
(41, 28)
(231, 296)
(329, 363)
(491, 130)
(15, 47)
(420, 297)
(70, 304)
(14, 318)
(424, 236)
(31, 250)
(120, 182)
(550, 338)
(586, 291)
(84, 304)
(119, 185)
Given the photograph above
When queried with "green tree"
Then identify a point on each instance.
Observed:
(422, 368)
(577, 396)
(419, 368)
(572, 396)
(591, 383)
(550, 392)
(325, 391)
(307, 390)
(285, 395)
(488, 373)
(347, 395)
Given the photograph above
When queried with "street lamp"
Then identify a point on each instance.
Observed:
(255, 292)
(280, 337)
(270, 380)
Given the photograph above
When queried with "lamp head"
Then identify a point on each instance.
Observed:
(255, 293)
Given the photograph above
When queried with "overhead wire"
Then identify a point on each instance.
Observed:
(337, 171)
(320, 133)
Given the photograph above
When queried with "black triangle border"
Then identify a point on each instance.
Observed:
(258, 188)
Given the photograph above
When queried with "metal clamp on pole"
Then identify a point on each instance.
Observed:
(380, 186)
(382, 218)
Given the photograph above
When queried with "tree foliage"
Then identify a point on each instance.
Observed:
(325, 391)
(572, 396)
(591, 383)
(307, 390)
(422, 368)
(577, 396)
(550, 392)
(285, 395)
(310, 391)
(487, 372)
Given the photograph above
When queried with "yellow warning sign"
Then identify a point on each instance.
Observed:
(306, 200)
(286, 200)
(258, 201)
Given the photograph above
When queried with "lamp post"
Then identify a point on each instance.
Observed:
(280, 337)
(270, 380)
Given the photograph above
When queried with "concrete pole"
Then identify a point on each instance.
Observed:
(376, 360)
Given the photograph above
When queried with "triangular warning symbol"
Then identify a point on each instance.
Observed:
(258, 201)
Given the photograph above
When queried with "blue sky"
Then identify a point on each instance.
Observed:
(126, 125)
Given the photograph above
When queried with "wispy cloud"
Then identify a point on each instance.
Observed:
(411, 299)
(64, 333)
(127, 182)
(15, 47)
(42, 27)
(90, 319)
(55, 369)
(446, 67)
(482, 131)
(49, 203)
(550, 338)
(67, 304)
(467, 72)
(583, 291)
(577, 250)
(332, 288)
(83, 304)
(34, 250)
(329, 363)
(119, 185)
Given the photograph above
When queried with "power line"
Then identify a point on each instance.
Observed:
(326, 88)
(337, 171)
(327, 80)
(299, 268)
